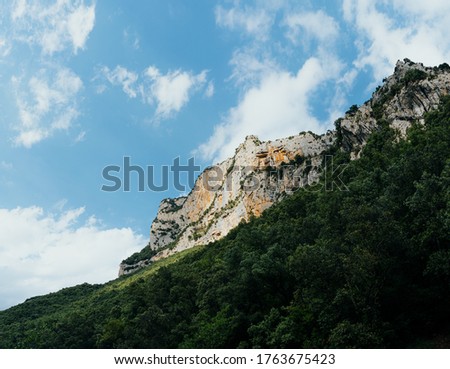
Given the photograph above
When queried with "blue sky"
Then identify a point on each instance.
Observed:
(85, 83)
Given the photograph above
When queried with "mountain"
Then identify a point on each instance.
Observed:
(262, 173)
(364, 264)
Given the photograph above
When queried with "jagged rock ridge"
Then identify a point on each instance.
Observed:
(261, 173)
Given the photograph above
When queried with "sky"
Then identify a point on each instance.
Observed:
(84, 84)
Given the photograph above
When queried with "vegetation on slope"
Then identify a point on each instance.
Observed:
(367, 267)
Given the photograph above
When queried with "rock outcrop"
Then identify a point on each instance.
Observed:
(261, 173)
(240, 187)
(403, 98)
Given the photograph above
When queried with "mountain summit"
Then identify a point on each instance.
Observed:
(262, 173)
(362, 265)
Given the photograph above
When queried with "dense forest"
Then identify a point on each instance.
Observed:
(365, 266)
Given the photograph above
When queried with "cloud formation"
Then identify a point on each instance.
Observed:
(274, 101)
(172, 91)
(389, 31)
(37, 42)
(377, 34)
(55, 27)
(41, 252)
(311, 24)
(169, 92)
(255, 21)
(278, 106)
(46, 104)
(121, 76)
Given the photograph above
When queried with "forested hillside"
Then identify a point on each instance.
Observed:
(363, 266)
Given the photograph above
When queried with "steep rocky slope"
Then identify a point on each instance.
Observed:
(261, 173)
(364, 268)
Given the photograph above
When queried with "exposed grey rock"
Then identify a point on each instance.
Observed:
(261, 173)
(125, 269)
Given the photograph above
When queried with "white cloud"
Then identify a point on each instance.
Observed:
(46, 104)
(209, 92)
(42, 252)
(81, 137)
(172, 91)
(80, 23)
(19, 8)
(249, 66)
(429, 10)
(278, 106)
(169, 92)
(256, 21)
(399, 29)
(45, 92)
(276, 98)
(29, 137)
(56, 27)
(99, 89)
(122, 77)
(5, 47)
(316, 25)
(348, 8)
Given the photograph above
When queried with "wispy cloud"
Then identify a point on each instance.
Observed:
(41, 252)
(209, 92)
(312, 24)
(5, 47)
(55, 27)
(389, 31)
(276, 97)
(253, 23)
(278, 106)
(46, 91)
(46, 103)
(249, 66)
(121, 76)
(169, 92)
(256, 21)
(81, 137)
(276, 85)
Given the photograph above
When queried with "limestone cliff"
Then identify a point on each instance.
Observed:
(248, 183)
(261, 173)
(403, 98)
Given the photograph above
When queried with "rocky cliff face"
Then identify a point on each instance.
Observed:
(403, 98)
(236, 189)
(261, 173)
